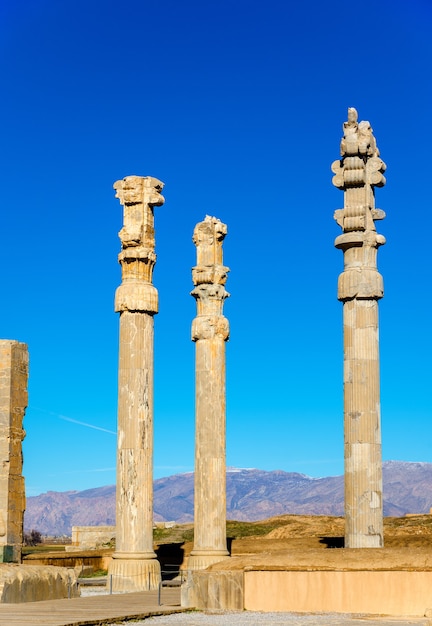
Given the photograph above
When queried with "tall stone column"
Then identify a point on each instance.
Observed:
(360, 286)
(13, 403)
(210, 331)
(134, 566)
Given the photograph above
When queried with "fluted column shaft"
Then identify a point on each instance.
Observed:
(363, 467)
(360, 287)
(210, 471)
(135, 437)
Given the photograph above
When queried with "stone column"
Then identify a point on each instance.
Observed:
(134, 566)
(210, 331)
(13, 402)
(360, 286)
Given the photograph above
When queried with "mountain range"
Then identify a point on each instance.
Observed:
(252, 495)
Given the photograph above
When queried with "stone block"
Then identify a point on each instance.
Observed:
(30, 583)
(213, 590)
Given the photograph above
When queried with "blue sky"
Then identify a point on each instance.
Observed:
(238, 107)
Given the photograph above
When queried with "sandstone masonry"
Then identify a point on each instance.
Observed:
(13, 402)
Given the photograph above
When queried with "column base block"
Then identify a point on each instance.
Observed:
(126, 575)
(202, 560)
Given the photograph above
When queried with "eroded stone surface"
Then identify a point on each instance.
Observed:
(210, 331)
(134, 566)
(360, 286)
(13, 402)
(371, 581)
(213, 590)
(33, 583)
(89, 537)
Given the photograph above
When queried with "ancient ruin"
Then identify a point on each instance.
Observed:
(20, 583)
(13, 402)
(210, 331)
(134, 566)
(360, 286)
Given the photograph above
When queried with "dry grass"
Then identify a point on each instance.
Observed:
(410, 531)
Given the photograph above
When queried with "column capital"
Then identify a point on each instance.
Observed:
(209, 327)
(209, 277)
(357, 173)
(359, 170)
(138, 195)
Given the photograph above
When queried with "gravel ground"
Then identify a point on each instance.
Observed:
(251, 618)
(93, 591)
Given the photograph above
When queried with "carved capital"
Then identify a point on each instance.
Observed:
(210, 298)
(137, 264)
(139, 190)
(136, 296)
(138, 195)
(216, 274)
(357, 173)
(360, 283)
(209, 327)
(360, 278)
(209, 277)
(375, 168)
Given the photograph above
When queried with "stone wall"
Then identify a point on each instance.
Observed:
(213, 590)
(387, 592)
(392, 581)
(79, 560)
(369, 592)
(90, 537)
(13, 402)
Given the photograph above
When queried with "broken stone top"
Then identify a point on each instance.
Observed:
(209, 277)
(208, 237)
(140, 190)
(138, 195)
(357, 173)
(358, 137)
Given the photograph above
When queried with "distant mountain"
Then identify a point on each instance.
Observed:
(252, 495)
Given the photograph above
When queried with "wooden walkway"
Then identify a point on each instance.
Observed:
(92, 610)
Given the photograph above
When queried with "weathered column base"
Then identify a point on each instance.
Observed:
(201, 559)
(133, 574)
(213, 590)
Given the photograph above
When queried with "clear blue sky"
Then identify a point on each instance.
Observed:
(238, 107)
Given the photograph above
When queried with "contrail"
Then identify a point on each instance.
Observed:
(69, 419)
(87, 471)
(73, 421)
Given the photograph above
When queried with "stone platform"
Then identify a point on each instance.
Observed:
(371, 581)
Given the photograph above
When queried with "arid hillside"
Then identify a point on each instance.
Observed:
(251, 495)
(288, 532)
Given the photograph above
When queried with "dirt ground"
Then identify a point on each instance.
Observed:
(315, 541)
